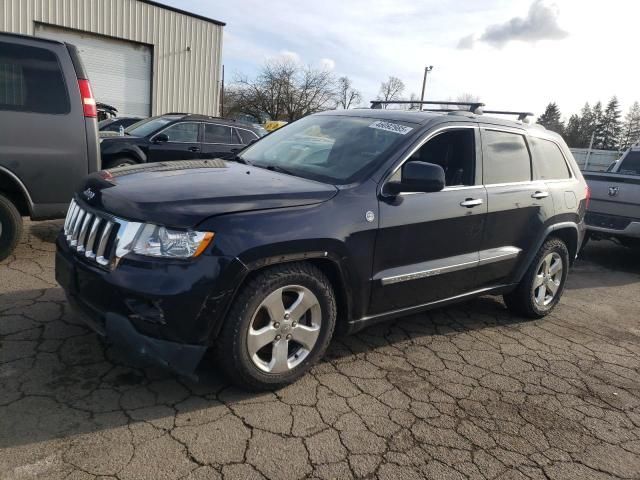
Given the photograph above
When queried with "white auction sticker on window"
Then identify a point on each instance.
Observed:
(391, 127)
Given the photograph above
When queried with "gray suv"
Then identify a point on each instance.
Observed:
(48, 133)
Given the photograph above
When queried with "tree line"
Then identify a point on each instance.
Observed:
(286, 90)
(603, 127)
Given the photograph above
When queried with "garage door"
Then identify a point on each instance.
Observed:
(119, 71)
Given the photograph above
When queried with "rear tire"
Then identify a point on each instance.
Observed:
(258, 347)
(540, 289)
(10, 227)
(119, 162)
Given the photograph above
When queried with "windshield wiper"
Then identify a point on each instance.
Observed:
(276, 168)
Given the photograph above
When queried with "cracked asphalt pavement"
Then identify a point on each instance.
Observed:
(462, 392)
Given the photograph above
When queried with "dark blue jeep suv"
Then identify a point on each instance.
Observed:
(334, 222)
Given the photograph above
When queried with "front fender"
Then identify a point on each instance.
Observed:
(127, 149)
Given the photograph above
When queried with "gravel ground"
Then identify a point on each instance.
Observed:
(463, 392)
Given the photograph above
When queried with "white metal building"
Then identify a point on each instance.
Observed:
(142, 57)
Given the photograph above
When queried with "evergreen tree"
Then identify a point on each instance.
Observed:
(587, 126)
(550, 119)
(597, 126)
(631, 128)
(572, 132)
(611, 125)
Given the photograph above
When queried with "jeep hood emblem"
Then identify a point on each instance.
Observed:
(89, 194)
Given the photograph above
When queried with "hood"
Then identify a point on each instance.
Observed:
(184, 193)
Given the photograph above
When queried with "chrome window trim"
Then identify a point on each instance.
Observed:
(485, 257)
(566, 162)
(173, 125)
(218, 143)
(434, 133)
(246, 130)
(510, 184)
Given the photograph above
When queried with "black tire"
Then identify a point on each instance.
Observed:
(119, 162)
(522, 300)
(10, 227)
(232, 344)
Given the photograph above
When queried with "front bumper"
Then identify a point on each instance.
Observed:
(166, 311)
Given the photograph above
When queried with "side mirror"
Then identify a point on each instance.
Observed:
(161, 138)
(418, 177)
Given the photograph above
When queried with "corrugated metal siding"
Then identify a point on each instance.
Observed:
(183, 81)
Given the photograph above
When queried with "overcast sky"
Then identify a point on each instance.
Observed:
(513, 54)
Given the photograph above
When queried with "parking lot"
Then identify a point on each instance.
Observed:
(468, 391)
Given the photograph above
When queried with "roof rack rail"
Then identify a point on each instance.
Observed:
(522, 116)
(473, 107)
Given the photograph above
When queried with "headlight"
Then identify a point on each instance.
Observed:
(157, 241)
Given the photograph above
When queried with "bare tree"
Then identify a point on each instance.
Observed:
(391, 90)
(285, 90)
(414, 99)
(464, 98)
(347, 96)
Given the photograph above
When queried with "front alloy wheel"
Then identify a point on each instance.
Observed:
(284, 329)
(278, 327)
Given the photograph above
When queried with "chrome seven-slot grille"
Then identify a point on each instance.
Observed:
(90, 234)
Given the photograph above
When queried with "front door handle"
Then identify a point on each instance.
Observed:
(471, 202)
(540, 195)
(194, 149)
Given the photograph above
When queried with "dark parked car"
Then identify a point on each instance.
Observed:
(176, 137)
(48, 131)
(336, 221)
(114, 124)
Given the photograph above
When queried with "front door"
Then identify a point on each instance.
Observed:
(427, 244)
(182, 143)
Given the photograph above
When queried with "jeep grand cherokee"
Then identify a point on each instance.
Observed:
(336, 221)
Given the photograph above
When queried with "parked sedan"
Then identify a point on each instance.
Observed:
(176, 137)
(114, 124)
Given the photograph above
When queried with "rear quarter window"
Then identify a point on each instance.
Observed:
(548, 161)
(505, 158)
(31, 80)
(630, 164)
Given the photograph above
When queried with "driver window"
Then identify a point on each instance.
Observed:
(455, 152)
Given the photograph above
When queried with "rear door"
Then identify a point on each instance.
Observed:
(183, 143)
(427, 244)
(518, 208)
(220, 141)
(42, 126)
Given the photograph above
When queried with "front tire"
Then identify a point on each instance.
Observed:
(280, 325)
(10, 227)
(119, 162)
(541, 287)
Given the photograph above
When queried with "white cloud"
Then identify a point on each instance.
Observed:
(400, 37)
(289, 55)
(327, 64)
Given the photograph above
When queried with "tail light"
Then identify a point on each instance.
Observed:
(88, 102)
(587, 197)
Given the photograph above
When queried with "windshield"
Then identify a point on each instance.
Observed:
(630, 164)
(149, 125)
(332, 149)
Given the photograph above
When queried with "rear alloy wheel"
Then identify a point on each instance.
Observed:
(542, 285)
(279, 326)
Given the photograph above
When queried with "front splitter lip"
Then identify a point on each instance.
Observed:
(180, 358)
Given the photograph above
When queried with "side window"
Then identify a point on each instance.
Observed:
(247, 136)
(455, 152)
(506, 158)
(218, 134)
(630, 164)
(31, 80)
(183, 132)
(548, 161)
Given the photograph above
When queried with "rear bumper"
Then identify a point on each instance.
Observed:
(613, 225)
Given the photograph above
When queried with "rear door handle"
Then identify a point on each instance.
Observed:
(540, 195)
(471, 202)
(194, 149)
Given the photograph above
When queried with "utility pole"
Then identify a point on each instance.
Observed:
(424, 82)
